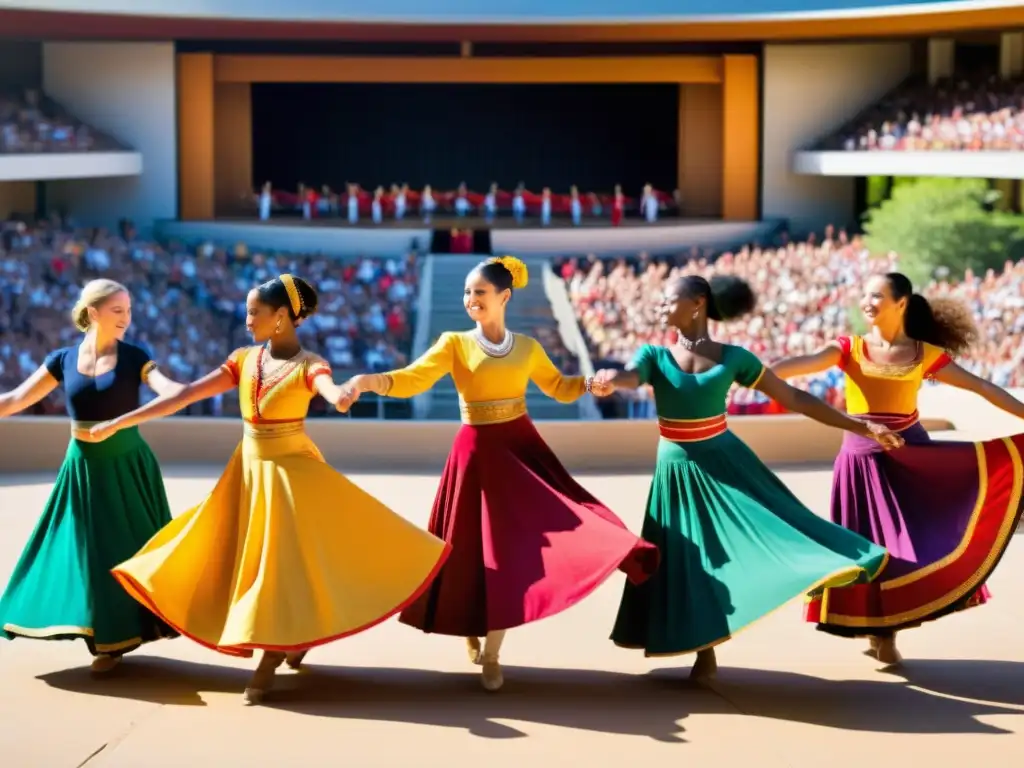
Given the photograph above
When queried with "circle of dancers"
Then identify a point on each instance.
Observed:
(286, 554)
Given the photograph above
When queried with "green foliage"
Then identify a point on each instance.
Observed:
(934, 223)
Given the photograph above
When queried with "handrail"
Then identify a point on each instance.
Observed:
(572, 337)
(421, 334)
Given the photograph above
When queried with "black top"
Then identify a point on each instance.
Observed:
(106, 396)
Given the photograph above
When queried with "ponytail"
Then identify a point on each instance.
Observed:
(943, 323)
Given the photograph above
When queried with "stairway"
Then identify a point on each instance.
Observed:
(528, 310)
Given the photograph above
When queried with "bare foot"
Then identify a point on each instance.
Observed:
(887, 652)
(102, 664)
(706, 666)
(294, 660)
(263, 678)
(474, 650)
(872, 649)
(491, 677)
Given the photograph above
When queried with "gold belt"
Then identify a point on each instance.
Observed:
(492, 411)
(264, 430)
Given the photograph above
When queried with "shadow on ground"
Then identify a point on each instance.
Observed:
(652, 705)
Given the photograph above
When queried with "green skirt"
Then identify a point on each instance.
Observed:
(108, 501)
(735, 545)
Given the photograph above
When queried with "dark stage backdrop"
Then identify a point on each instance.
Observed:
(594, 136)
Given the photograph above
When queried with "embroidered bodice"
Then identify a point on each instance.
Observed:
(284, 394)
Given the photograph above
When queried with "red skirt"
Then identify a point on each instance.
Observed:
(527, 540)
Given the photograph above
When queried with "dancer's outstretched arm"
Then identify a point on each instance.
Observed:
(161, 384)
(955, 376)
(799, 401)
(551, 381)
(215, 383)
(415, 379)
(28, 393)
(827, 357)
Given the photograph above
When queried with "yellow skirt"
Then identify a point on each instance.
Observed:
(284, 554)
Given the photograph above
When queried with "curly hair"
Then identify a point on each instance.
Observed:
(725, 297)
(944, 323)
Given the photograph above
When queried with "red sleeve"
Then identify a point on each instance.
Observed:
(940, 362)
(316, 368)
(845, 347)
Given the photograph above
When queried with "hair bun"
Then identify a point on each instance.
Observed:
(516, 268)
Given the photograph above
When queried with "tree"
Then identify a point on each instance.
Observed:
(936, 222)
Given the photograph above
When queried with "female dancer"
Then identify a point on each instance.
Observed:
(945, 511)
(735, 542)
(285, 553)
(528, 541)
(107, 501)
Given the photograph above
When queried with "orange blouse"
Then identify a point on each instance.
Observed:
(886, 387)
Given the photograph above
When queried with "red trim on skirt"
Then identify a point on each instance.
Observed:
(951, 584)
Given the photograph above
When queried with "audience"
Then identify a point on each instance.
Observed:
(189, 304)
(809, 294)
(31, 123)
(952, 115)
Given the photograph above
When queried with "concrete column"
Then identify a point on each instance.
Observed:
(941, 57)
(1011, 54)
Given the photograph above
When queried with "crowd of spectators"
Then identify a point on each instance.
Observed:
(189, 303)
(31, 123)
(809, 294)
(950, 115)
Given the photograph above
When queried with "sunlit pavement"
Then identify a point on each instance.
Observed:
(786, 695)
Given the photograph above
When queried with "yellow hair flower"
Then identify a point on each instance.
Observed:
(520, 274)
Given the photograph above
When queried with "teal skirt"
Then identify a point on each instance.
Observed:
(735, 545)
(108, 501)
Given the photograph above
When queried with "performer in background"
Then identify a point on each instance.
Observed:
(285, 553)
(108, 499)
(946, 511)
(527, 540)
(735, 542)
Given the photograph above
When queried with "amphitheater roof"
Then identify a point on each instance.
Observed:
(483, 20)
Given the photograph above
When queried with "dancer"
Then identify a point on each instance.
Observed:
(108, 499)
(735, 542)
(285, 553)
(946, 511)
(528, 541)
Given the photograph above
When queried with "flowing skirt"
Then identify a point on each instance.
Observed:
(527, 540)
(107, 502)
(736, 544)
(946, 511)
(284, 554)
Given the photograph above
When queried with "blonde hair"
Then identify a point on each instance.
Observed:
(94, 294)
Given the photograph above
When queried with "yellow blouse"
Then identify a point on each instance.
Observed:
(491, 389)
(284, 395)
(886, 387)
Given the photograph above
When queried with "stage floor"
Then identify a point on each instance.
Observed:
(465, 222)
(786, 695)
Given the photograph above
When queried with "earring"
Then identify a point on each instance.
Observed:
(277, 328)
(695, 314)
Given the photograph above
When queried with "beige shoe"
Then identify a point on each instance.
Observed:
(263, 678)
(474, 649)
(103, 663)
(491, 677)
(705, 668)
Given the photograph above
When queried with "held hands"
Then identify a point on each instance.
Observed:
(349, 395)
(601, 384)
(885, 436)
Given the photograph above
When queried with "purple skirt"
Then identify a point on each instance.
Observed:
(945, 511)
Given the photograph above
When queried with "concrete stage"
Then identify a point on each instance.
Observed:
(337, 237)
(786, 695)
